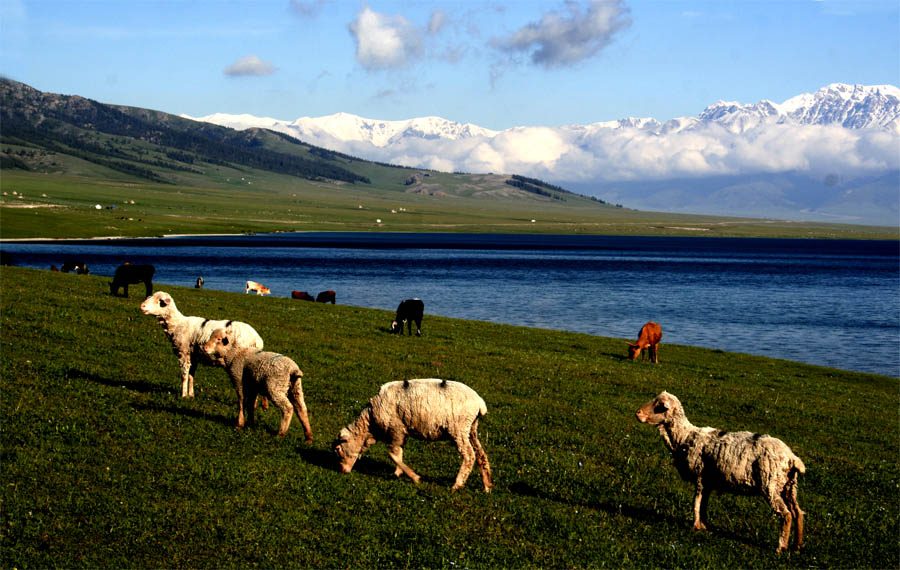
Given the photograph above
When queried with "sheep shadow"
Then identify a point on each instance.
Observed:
(319, 457)
(136, 386)
(637, 513)
(186, 412)
(642, 514)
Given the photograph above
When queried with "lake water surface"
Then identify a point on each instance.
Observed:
(829, 302)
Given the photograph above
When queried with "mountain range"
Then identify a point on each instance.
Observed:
(832, 155)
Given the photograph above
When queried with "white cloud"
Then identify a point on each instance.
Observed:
(250, 65)
(562, 40)
(384, 42)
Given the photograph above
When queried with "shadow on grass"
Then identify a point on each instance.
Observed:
(636, 513)
(187, 412)
(139, 386)
(319, 457)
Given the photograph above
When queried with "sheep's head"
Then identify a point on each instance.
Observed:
(218, 345)
(158, 304)
(349, 448)
(661, 409)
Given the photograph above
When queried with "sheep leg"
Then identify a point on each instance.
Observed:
(287, 411)
(465, 449)
(773, 496)
(299, 403)
(395, 452)
(187, 376)
(481, 457)
(701, 498)
(247, 410)
(794, 506)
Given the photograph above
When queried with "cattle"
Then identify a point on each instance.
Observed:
(127, 274)
(302, 295)
(199, 283)
(79, 267)
(259, 288)
(648, 339)
(408, 311)
(326, 297)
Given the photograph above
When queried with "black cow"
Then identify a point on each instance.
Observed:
(408, 311)
(128, 274)
(326, 297)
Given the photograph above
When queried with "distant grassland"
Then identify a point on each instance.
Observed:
(225, 200)
(105, 466)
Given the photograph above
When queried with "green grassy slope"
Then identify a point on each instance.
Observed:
(104, 465)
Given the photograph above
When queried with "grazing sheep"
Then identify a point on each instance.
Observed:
(738, 462)
(255, 372)
(189, 334)
(426, 408)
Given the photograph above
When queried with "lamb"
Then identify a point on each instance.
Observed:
(189, 334)
(738, 462)
(425, 408)
(256, 372)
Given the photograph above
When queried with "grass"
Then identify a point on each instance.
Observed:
(105, 466)
(61, 204)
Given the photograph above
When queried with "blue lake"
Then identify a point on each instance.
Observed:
(828, 302)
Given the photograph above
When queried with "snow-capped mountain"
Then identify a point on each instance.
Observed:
(842, 134)
(347, 127)
(849, 106)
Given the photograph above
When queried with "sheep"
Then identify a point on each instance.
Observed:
(189, 334)
(256, 372)
(425, 408)
(738, 462)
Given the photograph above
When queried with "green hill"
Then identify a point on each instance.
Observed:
(62, 155)
(104, 465)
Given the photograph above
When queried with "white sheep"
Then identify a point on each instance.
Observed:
(425, 408)
(189, 334)
(255, 372)
(738, 462)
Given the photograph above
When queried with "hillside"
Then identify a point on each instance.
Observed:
(106, 466)
(73, 167)
(164, 148)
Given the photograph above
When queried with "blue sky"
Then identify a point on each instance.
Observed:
(497, 64)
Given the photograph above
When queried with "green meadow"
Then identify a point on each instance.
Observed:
(104, 465)
(61, 204)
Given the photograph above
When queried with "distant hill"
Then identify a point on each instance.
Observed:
(168, 149)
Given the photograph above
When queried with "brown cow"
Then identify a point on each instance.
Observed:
(648, 338)
(302, 295)
(326, 297)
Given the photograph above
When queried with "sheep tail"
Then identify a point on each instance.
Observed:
(797, 466)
